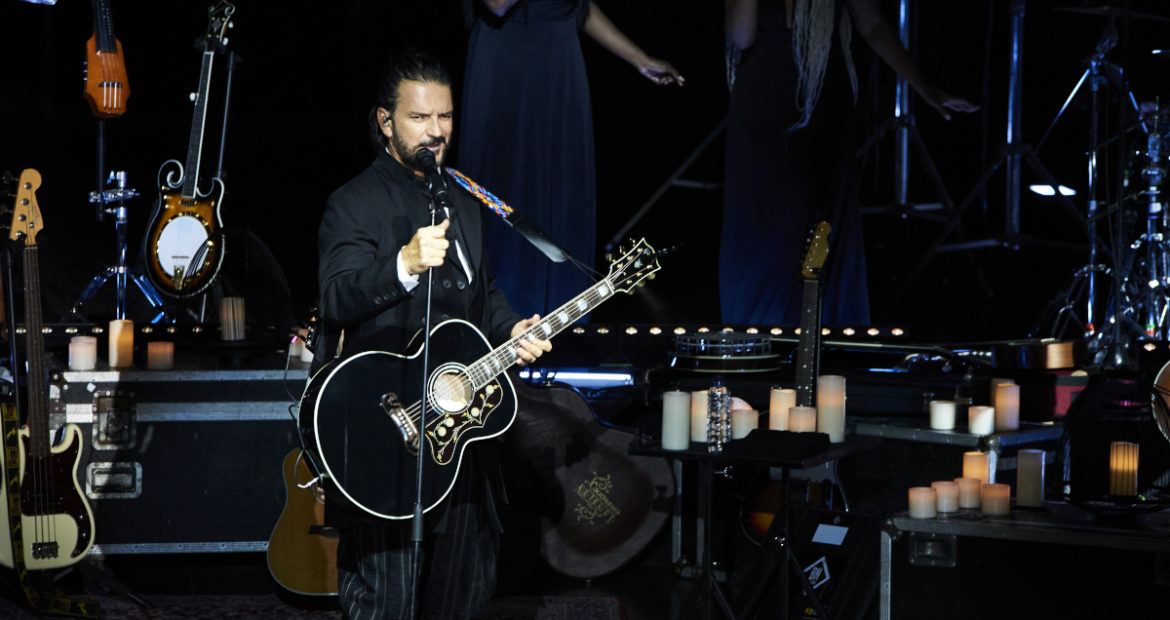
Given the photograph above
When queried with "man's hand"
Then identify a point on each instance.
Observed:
(427, 248)
(530, 347)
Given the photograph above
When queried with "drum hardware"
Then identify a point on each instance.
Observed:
(120, 272)
(722, 352)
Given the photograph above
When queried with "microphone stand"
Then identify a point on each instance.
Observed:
(416, 521)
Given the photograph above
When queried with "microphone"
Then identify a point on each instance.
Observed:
(424, 161)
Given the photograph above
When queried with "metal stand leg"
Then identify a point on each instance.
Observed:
(119, 272)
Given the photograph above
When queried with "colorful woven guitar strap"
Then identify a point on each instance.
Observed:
(495, 204)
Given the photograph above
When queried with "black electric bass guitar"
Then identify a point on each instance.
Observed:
(184, 241)
(359, 416)
(56, 521)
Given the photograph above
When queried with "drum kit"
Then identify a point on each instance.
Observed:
(1134, 257)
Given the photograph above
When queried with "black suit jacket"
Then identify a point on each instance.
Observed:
(366, 222)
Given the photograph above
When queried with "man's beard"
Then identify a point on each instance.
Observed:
(406, 152)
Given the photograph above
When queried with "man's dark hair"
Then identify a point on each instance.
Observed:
(410, 64)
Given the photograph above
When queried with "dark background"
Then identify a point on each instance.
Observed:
(297, 130)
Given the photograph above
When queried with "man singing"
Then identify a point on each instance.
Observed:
(376, 244)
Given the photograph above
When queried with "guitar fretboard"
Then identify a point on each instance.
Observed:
(808, 352)
(483, 370)
(198, 120)
(38, 396)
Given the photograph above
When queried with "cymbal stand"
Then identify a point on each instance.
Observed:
(119, 272)
(1149, 283)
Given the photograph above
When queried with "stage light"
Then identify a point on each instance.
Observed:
(824, 331)
(578, 330)
(656, 330)
(631, 330)
(1149, 346)
(897, 331)
(703, 330)
(873, 331)
(753, 330)
(1048, 190)
(848, 331)
(680, 330)
(776, 331)
(603, 330)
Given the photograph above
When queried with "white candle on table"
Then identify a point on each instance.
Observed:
(980, 420)
(970, 492)
(942, 415)
(780, 401)
(923, 503)
(676, 420)
(82, 352)
(1123, 468)
(976, 465)
(1030, 478)
(947, 492)
(160, 355)
(743, 421)
(699, 415)
(996, 499)
(121, 345)
(802, 419)
(1007, 407)
(831, 407)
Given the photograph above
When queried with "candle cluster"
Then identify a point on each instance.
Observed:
(160, 355)
(976, 489)
(684, 414)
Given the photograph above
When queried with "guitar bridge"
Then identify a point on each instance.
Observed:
(406, 427)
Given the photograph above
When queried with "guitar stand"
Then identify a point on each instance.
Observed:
(119, 272)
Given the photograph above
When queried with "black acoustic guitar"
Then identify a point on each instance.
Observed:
(56, 521)
(359, 416)
(184, 240)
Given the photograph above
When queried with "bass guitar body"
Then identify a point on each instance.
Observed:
(359, 417)
(185, 238)
(300, 557)
(55, 519)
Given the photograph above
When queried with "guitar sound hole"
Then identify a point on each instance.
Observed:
(451, 392)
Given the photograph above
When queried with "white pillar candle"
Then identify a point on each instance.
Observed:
(976, 465)
(980, 420)
(699, 416)
(676, 420)
(121, 345)
(160, 355)
(802, 419)
(831, 407)
(947, 492)
(942, 415)
(1007, 407)
(970, 492)
(996, 499)
(231, 318)
(743, 421)
(1123, 468)
(923, 503)
(1057, 355)
(1030, 477)
(82, 352)
(781, 400)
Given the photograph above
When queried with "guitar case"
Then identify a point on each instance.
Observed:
(599, 506)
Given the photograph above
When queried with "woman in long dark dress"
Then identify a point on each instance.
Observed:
(527, 127)
(789, 161)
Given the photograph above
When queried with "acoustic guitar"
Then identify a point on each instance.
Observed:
(184, 240)
(56, 522)
(359, 416)
(106, 86)
(301, 557)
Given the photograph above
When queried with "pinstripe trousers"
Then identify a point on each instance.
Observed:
(460, 551)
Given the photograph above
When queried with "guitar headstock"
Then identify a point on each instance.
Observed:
(818, 248)
(26, 214)
(219, 20)
(633, 266)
